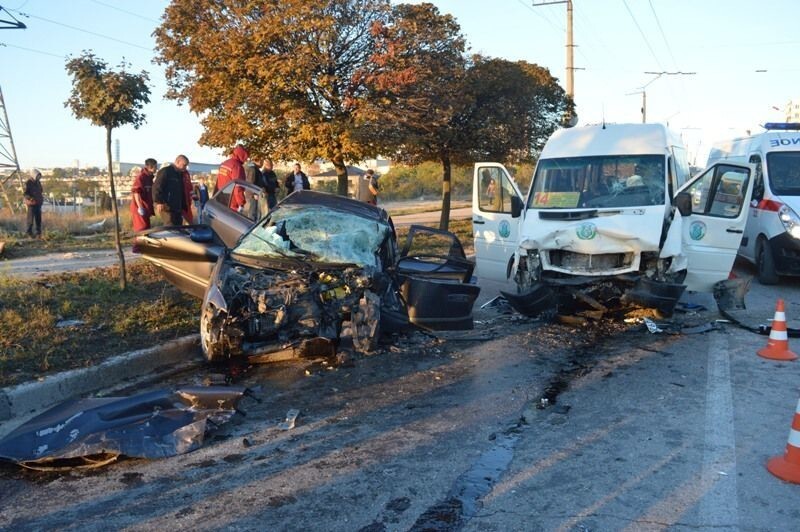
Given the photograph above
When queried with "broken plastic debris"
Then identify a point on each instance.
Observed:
(69, 323)
(291, 417)
(651, 326)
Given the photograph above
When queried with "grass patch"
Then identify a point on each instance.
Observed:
(62, 232)
(150, 311)
(432, 207)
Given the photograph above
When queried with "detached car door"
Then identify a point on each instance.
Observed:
(186, 255)
(496, 209)
(436, 280)
(712, 233)
(233, 210)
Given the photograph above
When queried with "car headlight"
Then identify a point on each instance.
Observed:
(790, 221)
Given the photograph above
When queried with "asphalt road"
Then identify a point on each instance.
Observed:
(640, 431)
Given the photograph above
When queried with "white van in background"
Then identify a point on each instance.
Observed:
(772, 235)
(611, 216)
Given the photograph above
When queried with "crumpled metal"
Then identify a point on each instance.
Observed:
(90, 432)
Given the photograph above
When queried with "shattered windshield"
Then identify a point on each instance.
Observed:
(315, 233)
(784, 172)
(599, 182)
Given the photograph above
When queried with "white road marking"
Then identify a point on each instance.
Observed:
(719, 506)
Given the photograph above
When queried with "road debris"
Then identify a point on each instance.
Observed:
(88, 433)
(651, 326)
(291, 418)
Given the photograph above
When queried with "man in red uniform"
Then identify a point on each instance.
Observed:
(142, 198)
(231, 169)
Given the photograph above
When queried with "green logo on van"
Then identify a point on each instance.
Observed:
(504, 229)
(697, 230)
(586, 231)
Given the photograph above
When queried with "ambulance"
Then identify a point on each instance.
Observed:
(612, 218)
(771, 238)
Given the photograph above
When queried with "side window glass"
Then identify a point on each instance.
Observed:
(700, 192)
(729, 195)
(495, 191)
(758, 184)
(223, 197)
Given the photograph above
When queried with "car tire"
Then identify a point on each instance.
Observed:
(366, 324)
(765, 263)
(210, 341)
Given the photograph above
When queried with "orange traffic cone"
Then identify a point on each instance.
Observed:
(778, 343)
(787, 467)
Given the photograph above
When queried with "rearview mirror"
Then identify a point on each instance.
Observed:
(683, 201)
(516, 207)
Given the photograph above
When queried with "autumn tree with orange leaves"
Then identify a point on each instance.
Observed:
(283, 78)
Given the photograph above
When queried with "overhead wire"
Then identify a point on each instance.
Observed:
(131, 13)
(4, 44)
(83, 30)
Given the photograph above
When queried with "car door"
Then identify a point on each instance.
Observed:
(234, 209)
(436, 280)
(712, 233)
(496, 209)
(185, 255)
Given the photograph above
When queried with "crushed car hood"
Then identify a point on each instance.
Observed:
(154, 424)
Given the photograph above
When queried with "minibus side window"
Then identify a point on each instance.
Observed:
(758, 183)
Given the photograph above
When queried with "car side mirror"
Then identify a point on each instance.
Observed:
(516, 207)
(683, 201)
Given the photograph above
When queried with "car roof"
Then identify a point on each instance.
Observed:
(333, 201)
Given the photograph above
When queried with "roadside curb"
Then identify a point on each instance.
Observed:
(31, 396)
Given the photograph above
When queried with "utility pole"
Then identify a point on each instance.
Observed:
(8, 153)
(643, 92)
(570, 48)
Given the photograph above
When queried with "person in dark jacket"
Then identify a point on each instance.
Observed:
(169, 193)
(297, 180)
(34, 197)
(270, 183)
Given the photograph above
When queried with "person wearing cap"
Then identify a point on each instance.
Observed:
(34, 197)
(368, 187)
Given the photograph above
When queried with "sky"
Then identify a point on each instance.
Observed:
(743, 57)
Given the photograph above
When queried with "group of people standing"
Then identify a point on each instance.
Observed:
(169, 192)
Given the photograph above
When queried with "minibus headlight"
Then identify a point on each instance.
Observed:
(790, 221)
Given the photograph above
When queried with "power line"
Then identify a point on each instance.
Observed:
(644, 37)
(3, 44)
(663, 35)
(541, 16)
(84, 31)
(131, 13)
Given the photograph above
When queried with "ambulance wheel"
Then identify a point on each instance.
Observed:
(765, 263)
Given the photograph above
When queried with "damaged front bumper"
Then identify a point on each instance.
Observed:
(595, 296)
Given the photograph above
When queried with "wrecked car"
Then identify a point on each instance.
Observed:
(612, 219)
(285, 285)
(87, 433)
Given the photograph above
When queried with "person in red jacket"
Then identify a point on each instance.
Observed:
(142, 198)
(231, 169)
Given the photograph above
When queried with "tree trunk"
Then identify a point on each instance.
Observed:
(123, 278)
(444, 221)
(341, 175)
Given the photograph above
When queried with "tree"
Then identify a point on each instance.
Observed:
(108, 99)
(416, 98)
(444, 107)
(284, 78)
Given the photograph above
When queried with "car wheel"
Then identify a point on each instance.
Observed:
(366, 324)
(766, 263)
(210, 341)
